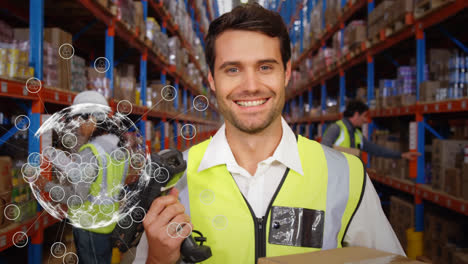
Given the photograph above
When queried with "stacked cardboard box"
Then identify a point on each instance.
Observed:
(5, 188)
(401, 218)
(140, 26)
(397, 168)
(399, 10)
(464, 182)
(57, 70)
(14, 61)
(445, 154)
(125, 83)
(57, 37)
(97, 81)
(460, 258)
(428, 90)
(78, 71)
(332, 12)
(379, 18)
(438, 64)
(355, 34)
(155, 97)
(443, 237)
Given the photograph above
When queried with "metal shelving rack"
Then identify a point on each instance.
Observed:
(366, 54)
(35, 101)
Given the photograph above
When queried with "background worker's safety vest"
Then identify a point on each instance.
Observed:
(307, 213)
(102, 204)
(344, 140)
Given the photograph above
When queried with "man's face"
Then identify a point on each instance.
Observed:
(362, 118)
(249, 79)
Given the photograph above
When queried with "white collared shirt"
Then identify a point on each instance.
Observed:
(368, 228)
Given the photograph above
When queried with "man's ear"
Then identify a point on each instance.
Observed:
(287, 73)
(211, 82)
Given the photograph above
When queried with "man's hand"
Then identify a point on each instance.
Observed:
(410, 155)
(160, 227)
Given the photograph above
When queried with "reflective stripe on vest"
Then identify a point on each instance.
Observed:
(333, 183)
(103, 190)
(344, 140)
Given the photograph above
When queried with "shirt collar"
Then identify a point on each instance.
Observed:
(348, 124)
(219, 152)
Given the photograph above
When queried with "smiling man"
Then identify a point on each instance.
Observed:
(255, 189)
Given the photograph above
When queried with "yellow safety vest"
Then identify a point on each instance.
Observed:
(102, 204)
(332, 187)
(344, 140)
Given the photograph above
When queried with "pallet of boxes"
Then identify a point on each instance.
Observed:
(378, 20)
(396, 168)
(399, 16)
(401, 218)
(355, 35)
(425, 7)
(444, 237)
(57, 54)
(449, 172)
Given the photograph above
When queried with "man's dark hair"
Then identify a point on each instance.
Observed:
(355, 106)
(250, 17)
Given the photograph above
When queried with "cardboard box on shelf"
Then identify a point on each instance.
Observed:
(138, 18)
(444, 154)
(126, 90)
(447, 252)
(428, 90)
(5, 199)
(98, 82)
(57, 37)
(5, 174)
(453, 181)
(339, 256)
(399, 10)
(402, 217)
(460, 258)
(436, 254)
(464, 187)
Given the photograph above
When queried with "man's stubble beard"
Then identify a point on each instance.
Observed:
(231, 118)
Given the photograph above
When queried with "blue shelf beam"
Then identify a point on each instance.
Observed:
(342, 91)
(36, 33)
(36, 59)
(457, 42)
(4, 138)
(433, 132)
(420, 59)
(83, 30)
(110, 34)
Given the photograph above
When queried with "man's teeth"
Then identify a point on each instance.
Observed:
(251, 103)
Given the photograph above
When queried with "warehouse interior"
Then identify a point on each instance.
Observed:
(406, 59)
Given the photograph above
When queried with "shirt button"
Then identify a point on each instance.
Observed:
(276, 225)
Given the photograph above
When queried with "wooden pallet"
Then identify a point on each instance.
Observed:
(403, 21)
(424, 7)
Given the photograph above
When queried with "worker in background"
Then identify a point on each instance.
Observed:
(97, 140)
(347, 133)
(254, 182)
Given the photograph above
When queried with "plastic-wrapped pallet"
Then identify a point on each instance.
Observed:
(78, 70)
(98, 82)
(14, 61)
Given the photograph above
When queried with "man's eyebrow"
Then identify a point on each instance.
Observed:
(229, 63)
(268, 61)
